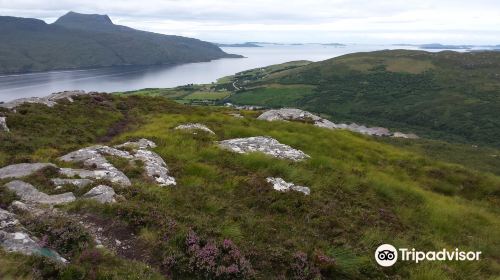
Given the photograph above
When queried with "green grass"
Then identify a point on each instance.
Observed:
(363, 193)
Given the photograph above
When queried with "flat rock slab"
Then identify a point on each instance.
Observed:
(3, 124)
(92, 157)
(195, 126)
(139, 144)
(266, 145)
(281, 185)
(102, 194)
(80, 183)
(28, 193)
(22, 169)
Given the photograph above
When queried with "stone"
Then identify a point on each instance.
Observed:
(92, 157)
(287, 114)
(195, 126)
(49, 100)
(3, 124)
(404, 135)
(80, 183)
(96, 175)
(21, 242)
(102, 194)
(281, 185)
(155, 167)
(139, 144)
(236, 115)
(14, 238)
(28, 193)
(7, 220)
(22, 169)
(266, 145)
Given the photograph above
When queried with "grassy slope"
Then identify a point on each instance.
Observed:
(363, 193)
(445, 95)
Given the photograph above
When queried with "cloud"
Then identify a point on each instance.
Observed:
(290, 20)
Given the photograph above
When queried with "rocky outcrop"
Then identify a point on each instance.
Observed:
(50, 100)
(195, 126)
(154, 165)
(3, 124)
(281, 185)
(287, 114)
(28, 193)
(14, 238)
(266, 145)
(92, 157)
(80, 183)
(22, 169)
(139, 144)
(102, 194)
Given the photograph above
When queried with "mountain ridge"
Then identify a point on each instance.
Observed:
(78, 41)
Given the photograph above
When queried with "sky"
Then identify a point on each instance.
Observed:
(291, 21)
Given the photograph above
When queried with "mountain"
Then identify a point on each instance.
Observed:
(243, 45)
(224, 219)
(77, 41)
(446, 95)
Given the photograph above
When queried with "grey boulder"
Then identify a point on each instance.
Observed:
(22, 169)
(266, 145)
(102, 194)
(281, 185)
(28, 193)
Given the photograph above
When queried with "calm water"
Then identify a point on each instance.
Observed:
(133, 77)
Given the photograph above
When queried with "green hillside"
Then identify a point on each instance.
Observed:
(83, 41)
(364, 192)
(446, 95)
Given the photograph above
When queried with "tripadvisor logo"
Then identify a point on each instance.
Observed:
(388, 255)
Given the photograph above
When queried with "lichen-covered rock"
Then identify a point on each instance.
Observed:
(155, 167)
(195, 126)
(3, 124)
(96, 175)
(49, 100)
(80, 183)
(28, 193)
(404, 135)
(14, 238)
(22, 169)
(139, 144)
(92, 157)
(102, 194)
(266, 145)
(286, 114)
(281, 185)
(7, 220)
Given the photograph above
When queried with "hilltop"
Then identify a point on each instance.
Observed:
(171, 191)
(77, 41)
(447, 95)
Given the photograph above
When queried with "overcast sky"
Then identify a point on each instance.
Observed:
(302, 21)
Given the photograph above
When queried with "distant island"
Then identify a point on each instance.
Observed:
(242, 45)
(78, 41)
(450, 47)
(334, 45)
